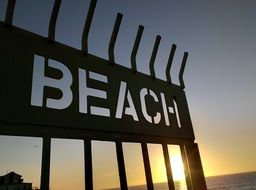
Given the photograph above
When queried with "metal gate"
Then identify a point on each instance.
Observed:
(61, 92)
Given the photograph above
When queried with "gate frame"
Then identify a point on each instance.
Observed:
(189, 149)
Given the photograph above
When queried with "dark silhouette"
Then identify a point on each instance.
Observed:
(76, 95)
(13, 180)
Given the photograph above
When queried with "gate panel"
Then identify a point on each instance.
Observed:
(51, 90)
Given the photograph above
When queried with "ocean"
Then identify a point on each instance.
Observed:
(241, 181)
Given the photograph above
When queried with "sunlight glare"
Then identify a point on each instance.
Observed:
(161, 174)
(177, 167)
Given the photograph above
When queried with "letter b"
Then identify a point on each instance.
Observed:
(40, 81)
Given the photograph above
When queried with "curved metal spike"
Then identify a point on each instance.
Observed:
(153, 57)
(169, 64)
(52, 24)
(135, 48)
(184, 60)
(112, 42)
(87, 26)
(9, 12)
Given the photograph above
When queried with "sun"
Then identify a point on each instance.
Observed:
(177, 167)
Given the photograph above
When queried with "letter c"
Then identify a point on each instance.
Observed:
(143, 93)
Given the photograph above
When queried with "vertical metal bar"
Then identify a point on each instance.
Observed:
(169, 64)
(87, 26)
(88, 165)
(53, 19)
(195, 167)
(45, 167)
(9, 12)
(168, 167)
(135, 48)
(112, 42)
(121, 165)
(153, 57)
(186, 167)
(184, 60)
(147, 166)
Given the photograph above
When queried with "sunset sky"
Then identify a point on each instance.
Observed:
(220, 78)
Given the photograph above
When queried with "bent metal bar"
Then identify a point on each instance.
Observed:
(50, 90)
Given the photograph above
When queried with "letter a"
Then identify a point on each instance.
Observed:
(120, 104)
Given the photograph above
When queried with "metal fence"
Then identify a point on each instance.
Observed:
(61, 92)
